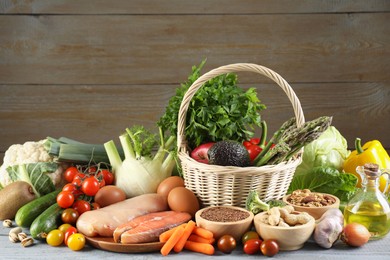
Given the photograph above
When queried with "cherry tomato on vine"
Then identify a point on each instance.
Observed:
(69, 187)
(108, 176)
(70, 173)
(252, 246)
(65, 199)
(269, 247)
(81, 206)
(55, 237)
(90, 186)
(70, 216)
(70, 231)
(95, 206)
(78, 179)
(76, 241)
(91, 170)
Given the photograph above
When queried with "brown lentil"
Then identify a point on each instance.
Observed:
(224, 214)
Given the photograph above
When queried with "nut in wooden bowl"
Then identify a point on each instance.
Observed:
(314, 203)
(225, 220)
(291, 229)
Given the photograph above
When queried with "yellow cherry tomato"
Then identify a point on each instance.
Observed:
(76, 241)
(55, 237)
(64, 227)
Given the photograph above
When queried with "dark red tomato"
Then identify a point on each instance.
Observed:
(70, 216)
(81, 206)
(226, 244)
(269, 247)
(253, 151)
(70, 173)
(65, 199)
(68, 233)
(252, 246)
(107, 176)
(90, 186)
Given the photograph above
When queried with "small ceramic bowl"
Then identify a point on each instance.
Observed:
(206, 218)
(288, 238)
(316, 212)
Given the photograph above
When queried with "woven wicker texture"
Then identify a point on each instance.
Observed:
(223, 185)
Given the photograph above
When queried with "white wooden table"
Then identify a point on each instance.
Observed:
(375, 250)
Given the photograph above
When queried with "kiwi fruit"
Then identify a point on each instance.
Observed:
(13, 197)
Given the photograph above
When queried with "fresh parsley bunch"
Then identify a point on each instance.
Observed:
(219, 110)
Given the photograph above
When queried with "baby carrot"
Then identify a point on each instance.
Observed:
(167, 234)
(187, 232)
(196, 238)
(203, 232)
(203, 248)
(167, 247)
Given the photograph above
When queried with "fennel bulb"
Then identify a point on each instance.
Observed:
(140, 172)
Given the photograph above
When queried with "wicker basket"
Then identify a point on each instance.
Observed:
(228, 185)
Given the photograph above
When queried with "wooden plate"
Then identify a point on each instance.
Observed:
(108, 244)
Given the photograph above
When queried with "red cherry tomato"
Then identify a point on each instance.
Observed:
(94, 206)
(70, 173)
(81, 206)
(107, 176)
(269, 247)
(69, 187)
(252, 246)
(65, 199)
(68, 233)
(90, 186)
(226, 244)
(78, 179)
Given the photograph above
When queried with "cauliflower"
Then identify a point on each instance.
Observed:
(27, 154)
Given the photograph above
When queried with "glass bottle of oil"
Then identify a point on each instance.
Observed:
(369, 206)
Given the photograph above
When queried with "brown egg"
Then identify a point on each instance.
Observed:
(183, 200)
(168, 184)
(108, 195)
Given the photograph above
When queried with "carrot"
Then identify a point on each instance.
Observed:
(203, 248)
(167, 234)
(187, 232)
(203, 232)
(196, 238)
(171, 242)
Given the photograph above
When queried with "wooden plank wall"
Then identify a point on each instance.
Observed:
(88, 69)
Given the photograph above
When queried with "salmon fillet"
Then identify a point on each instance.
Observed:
(103, 221)
(147, 228)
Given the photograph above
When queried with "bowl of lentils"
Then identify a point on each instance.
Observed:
(314, 203)
(225, 220)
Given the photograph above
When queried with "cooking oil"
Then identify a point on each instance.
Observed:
(370, 215)
(369, 206)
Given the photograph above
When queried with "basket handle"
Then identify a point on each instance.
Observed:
(181, 140)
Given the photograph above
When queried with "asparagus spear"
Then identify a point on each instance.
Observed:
(289, 140)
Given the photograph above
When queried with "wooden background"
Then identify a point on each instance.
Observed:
(89, 69)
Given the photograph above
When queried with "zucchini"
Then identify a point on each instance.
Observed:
(25, 215)
(49, 220)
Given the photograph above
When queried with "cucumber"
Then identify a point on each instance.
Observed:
(49, 220)
(25, 215)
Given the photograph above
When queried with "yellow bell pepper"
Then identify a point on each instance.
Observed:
(371, 152)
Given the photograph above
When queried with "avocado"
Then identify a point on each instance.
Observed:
(229, 153)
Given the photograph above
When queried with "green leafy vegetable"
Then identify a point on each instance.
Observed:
(328, 150)
(38, 175)
(219, 110)
(326, 180)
